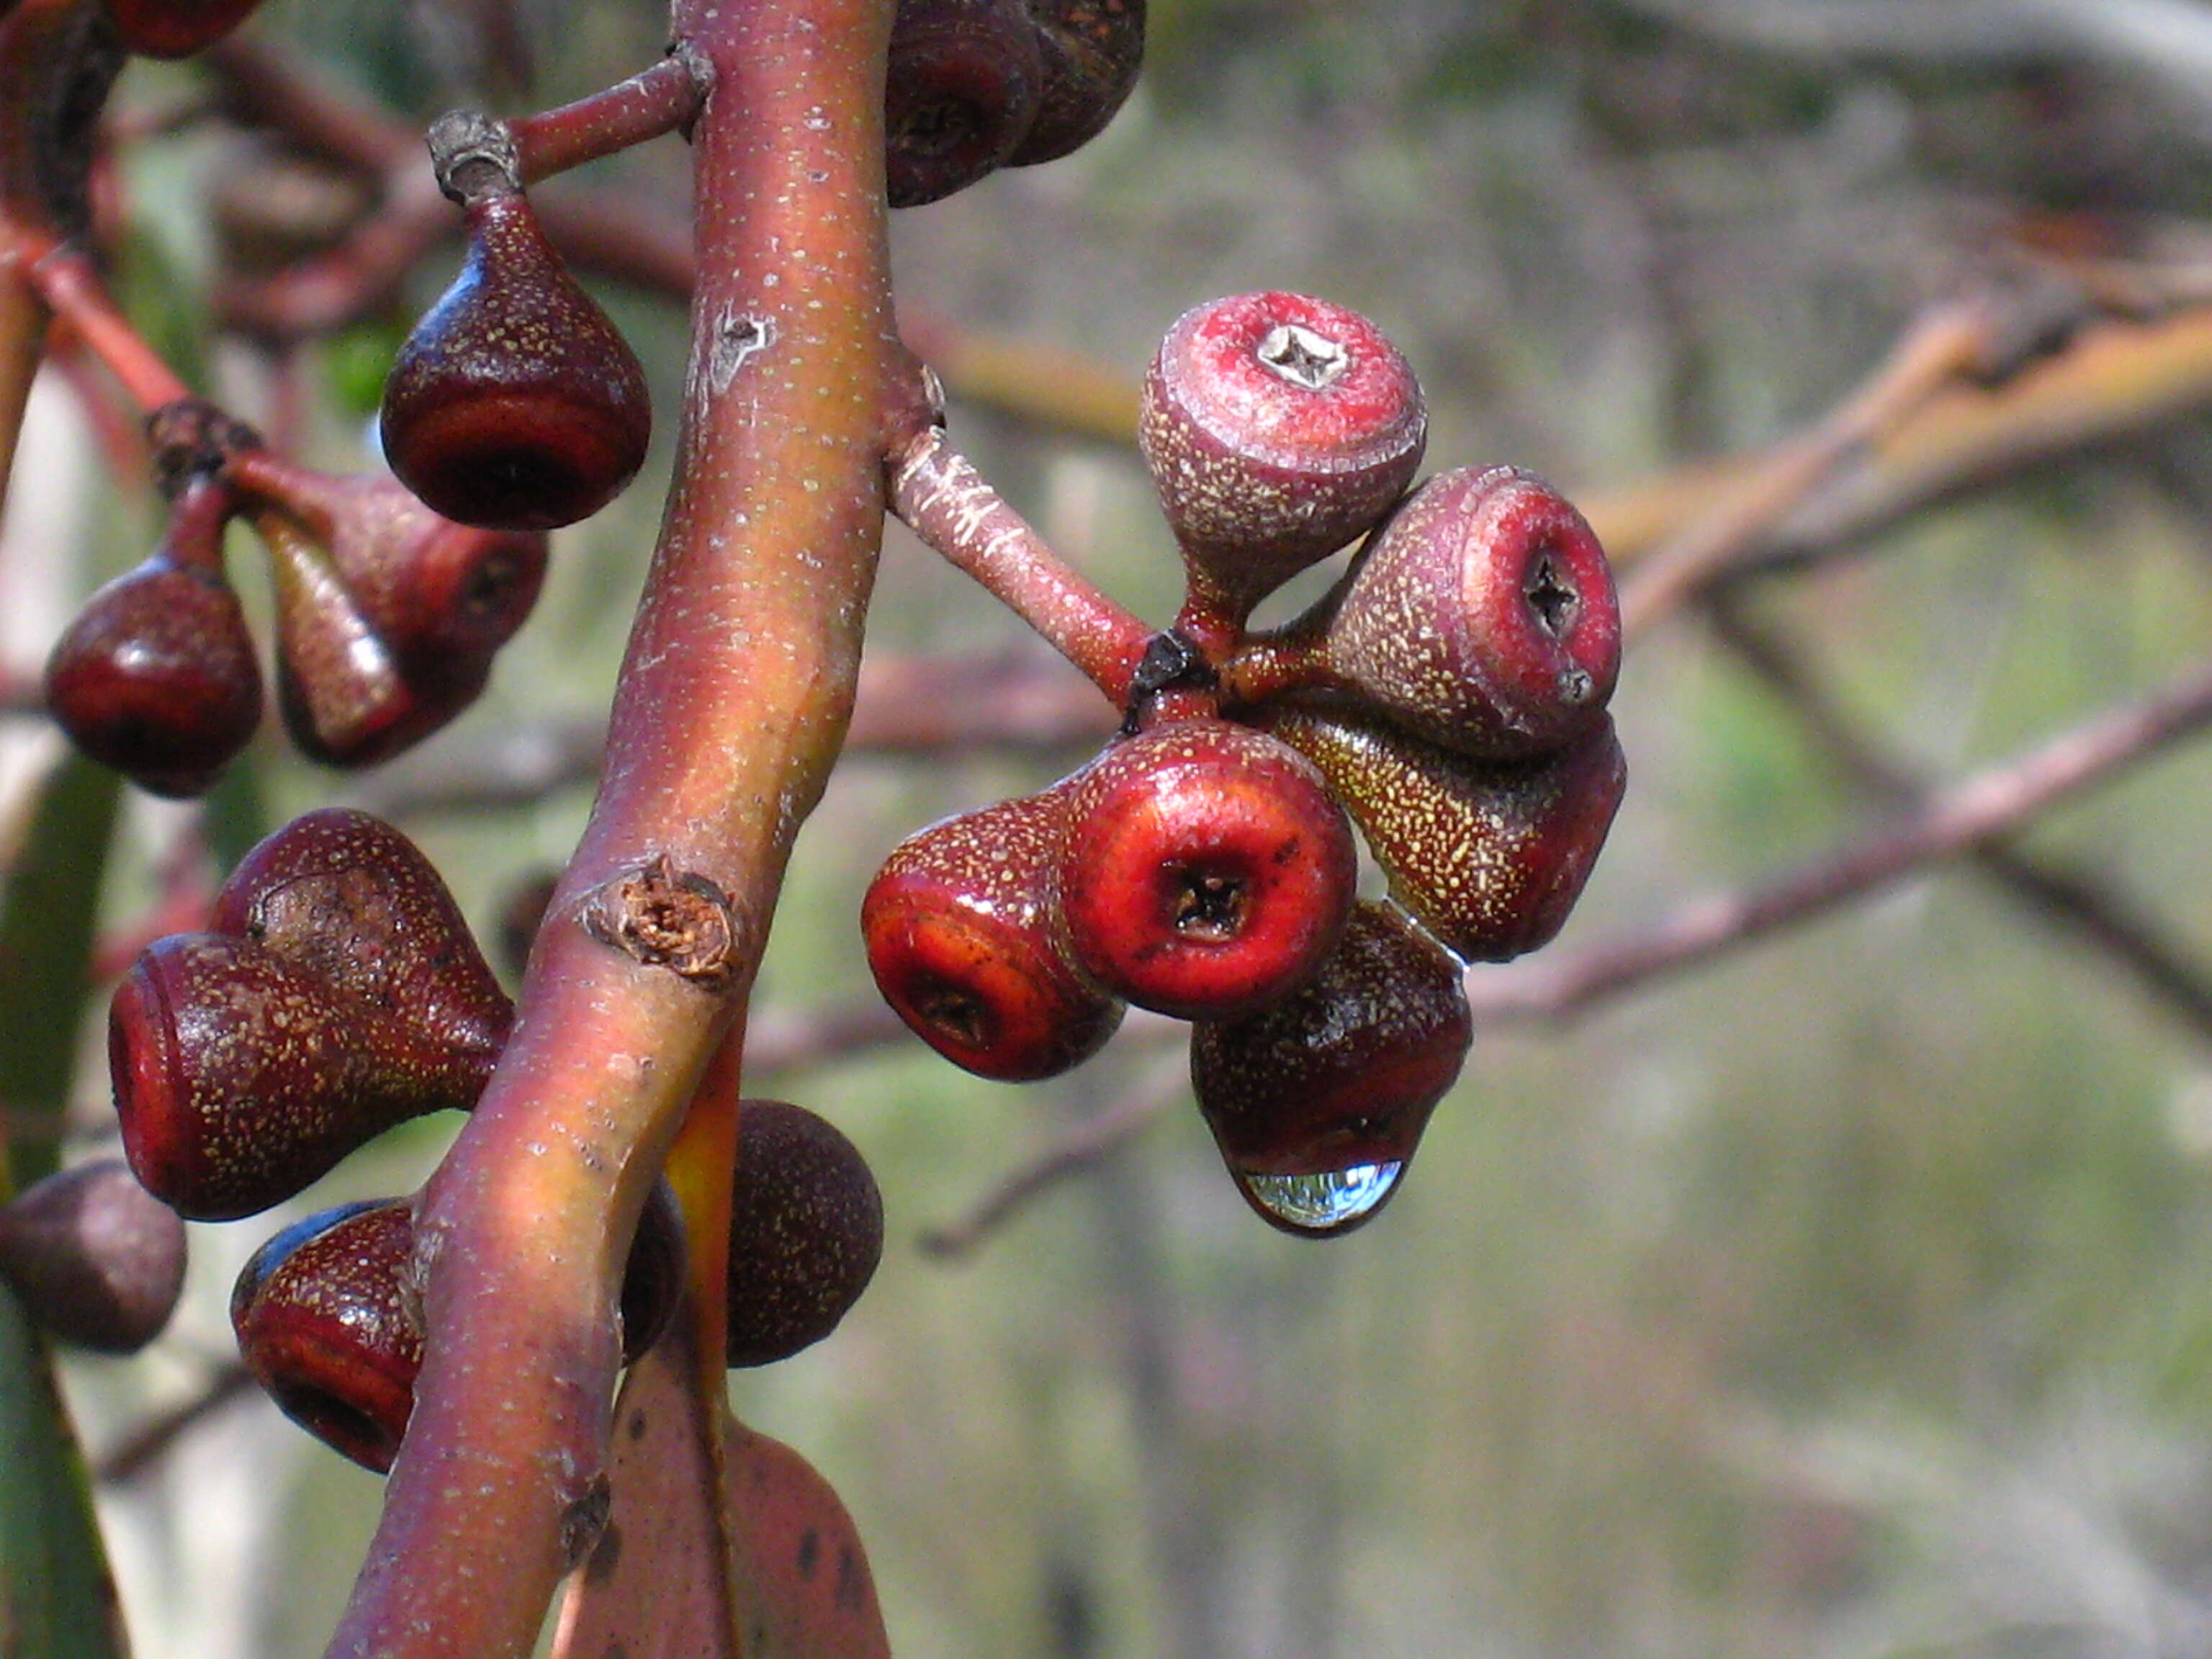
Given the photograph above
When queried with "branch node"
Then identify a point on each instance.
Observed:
(584, 1521)
(668, 918)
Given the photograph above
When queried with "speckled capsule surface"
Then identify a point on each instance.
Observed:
(1278, 428)
(516, 404)
(326, 1323)
(1491, 855)
(1207, 872)
(239, 1078)
(1346, 1071)
(962, 933)
(1483, 617)
(807, 1230)
(350, 900)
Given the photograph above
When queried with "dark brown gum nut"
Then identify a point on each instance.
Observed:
(157, 676)
(962, 934)
(441, 597)
(175, 28)
(1091, 52)
(964, 81)
(653, 1280)
(96, 1260)
(1206, 872)
(327, 1320)
(807, 1230)
(353, 903)
(516, 404)
(1482, 616)
(1490, 855)
(1317, 1104)
(239, 1078)
(1278, 428)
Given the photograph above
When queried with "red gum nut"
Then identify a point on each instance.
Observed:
(962, 937)
(1278, 428)
(1345, 1071)
(1482, 616)
(1207, 872)
(806, 1231)
(516, 404)
(351, 901)
(240, 1078)
(157, 678)
(1491, 855)
(440, 595)
(322, 1322)
(1092, 50)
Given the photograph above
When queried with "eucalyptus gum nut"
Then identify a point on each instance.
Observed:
(327, 1321)
(1346, 1069)
(1490, 855)
(1482, 616)
(516, 404)
(963, 86)
(962, 931)
(1091, 52)
(157, 676)
(1278, 428)
(353, 902)
(807, 1230)
(344, 699)
(96, 1260)
(1206, 872)
(241, 1078)
(440, 596)
(175, 28)
(326, 1314)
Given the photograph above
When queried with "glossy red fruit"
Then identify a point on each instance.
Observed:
(327, 1317)
(96, 1259)
(1483, 617)
(326, 1322)
(1318, 1103)
(516, 404)
(345, 698)
(807, 1230)
(964, 81)
(351, 900)
(1490, 855)
(156, 676)
(175, 28)
(962, 932)
(1278, 428)
(240, 1078)
(1092, 50)
(1207, 871)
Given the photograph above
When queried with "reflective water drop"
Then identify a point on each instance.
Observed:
(1323, 1205)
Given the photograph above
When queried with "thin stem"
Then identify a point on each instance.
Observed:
(732, 701)
(1940, 348)
(66, 281)
(938, 495)
(1986, 807)
(652, 103)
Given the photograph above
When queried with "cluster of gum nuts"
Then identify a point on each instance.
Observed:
(1447, 696)
(335, 994)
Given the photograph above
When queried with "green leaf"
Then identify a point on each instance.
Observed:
(48, 915)
(57, 1601)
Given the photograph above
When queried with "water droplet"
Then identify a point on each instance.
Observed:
(1322, 1205)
